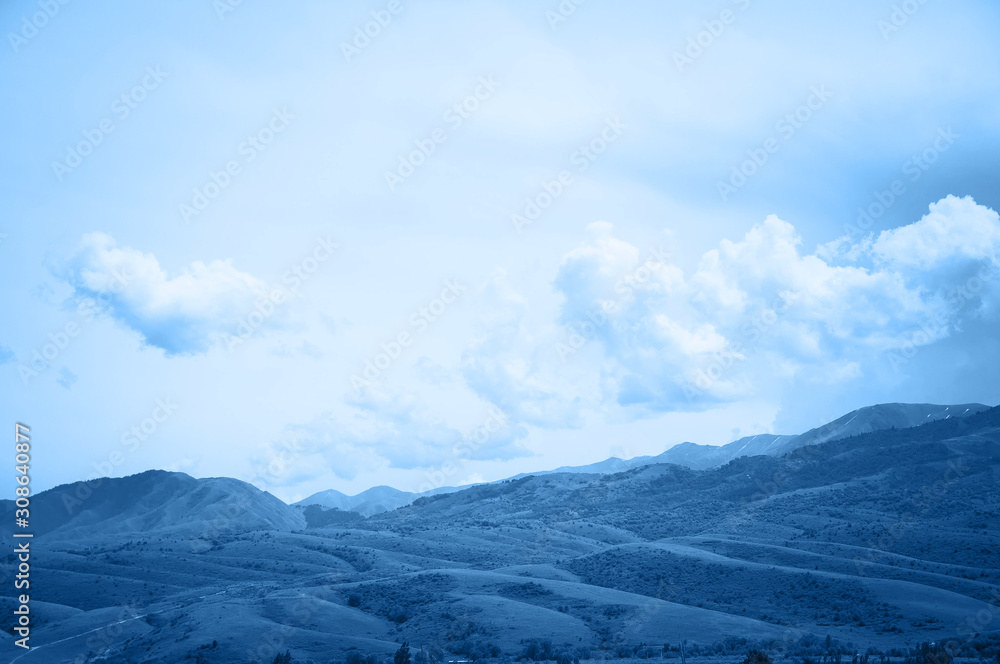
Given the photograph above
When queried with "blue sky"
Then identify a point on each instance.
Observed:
(486, 238)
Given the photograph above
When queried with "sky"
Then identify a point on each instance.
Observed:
(340, 245)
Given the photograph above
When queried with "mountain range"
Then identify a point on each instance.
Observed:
(866, 533)
(698, 457)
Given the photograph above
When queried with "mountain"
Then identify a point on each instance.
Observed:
(863, 420)
(691, 455)
(877, 418)
(375, 500)
(880, 539)
(159, 501)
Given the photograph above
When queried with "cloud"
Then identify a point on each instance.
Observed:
(954, 252)
(389, 428)
(955, 230)
(510, 364)
(756, 316)
(181, 314)
(6, 355)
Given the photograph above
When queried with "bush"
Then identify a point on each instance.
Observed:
(354, 601)
(355, 657)
(929, 654)
(757, 657)
(475, 648)
(537, 651)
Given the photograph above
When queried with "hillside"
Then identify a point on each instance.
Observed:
(863, 420)
(155, 500)
(880, 539)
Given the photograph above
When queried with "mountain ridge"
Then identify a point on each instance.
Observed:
(205, 500)
(871, 539)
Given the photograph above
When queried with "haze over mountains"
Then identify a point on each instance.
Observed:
(375, 500)
(699, 457)
(873, 533)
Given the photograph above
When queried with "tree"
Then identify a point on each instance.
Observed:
(757, 657)
(402, 655)
(929, 653)
(282, 659)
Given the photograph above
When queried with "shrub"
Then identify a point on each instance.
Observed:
(757, 657)
(475, 648)
(355, 657)
(927, 653)
(537, 651)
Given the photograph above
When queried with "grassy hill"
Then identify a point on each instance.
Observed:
(880, 540)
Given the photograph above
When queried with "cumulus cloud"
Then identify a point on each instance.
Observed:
(955, 230)
(181, 314)
(767, 309)
(509, 362)
(756, 314)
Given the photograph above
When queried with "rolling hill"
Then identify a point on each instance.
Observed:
(876, 537)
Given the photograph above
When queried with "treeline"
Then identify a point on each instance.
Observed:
(806, 650)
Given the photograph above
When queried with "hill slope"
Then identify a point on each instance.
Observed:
(878, 539)
(156, 501)
(863, 420)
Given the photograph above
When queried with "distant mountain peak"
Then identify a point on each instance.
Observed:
(862, 420)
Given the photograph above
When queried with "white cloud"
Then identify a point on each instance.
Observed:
(181, 314)
(756, 314)
(955, 229)
(511, 364)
